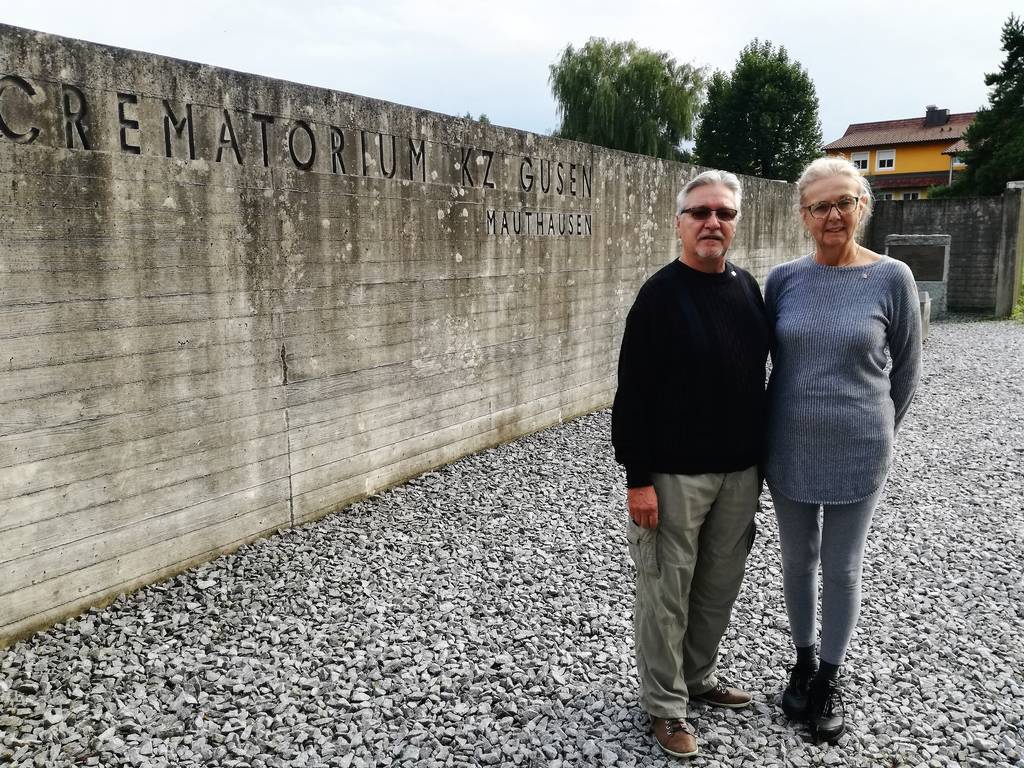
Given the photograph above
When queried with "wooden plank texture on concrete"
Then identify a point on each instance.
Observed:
(211, 332)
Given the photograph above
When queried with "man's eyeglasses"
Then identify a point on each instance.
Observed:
(821, 210)
(703, 213)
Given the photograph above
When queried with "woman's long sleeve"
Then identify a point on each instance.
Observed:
(904, 340)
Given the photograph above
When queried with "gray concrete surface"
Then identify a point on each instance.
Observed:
(211, 331)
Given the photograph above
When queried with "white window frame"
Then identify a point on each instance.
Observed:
(882, 155)
(956, 160)
(861, 157)
(911, 195)
(883, 196)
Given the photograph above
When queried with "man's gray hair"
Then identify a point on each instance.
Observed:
(726, 179)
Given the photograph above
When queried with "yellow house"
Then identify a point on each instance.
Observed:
(902, 158)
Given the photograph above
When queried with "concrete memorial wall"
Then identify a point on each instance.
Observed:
(986, 251)
(230, 304)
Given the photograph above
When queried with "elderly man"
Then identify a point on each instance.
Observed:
(687, 424)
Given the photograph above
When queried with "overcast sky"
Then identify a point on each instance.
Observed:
(869, 60)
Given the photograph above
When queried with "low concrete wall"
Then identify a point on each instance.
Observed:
(230, 305)
(985, 256)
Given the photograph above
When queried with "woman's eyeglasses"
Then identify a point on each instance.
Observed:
(821, 210)
(703, 213)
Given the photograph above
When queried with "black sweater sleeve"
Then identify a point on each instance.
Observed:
(633, 398)
(690, 397)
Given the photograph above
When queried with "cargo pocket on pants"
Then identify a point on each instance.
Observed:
(643, 548)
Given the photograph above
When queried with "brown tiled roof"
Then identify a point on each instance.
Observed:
(909, 180)
(956, 149)
(911, 130)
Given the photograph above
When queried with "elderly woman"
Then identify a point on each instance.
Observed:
(833, 412)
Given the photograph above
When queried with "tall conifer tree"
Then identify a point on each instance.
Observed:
(995, 140)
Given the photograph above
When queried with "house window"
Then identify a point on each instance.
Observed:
(957, 160)
(883, 196)
(860, 160)
(911, 195)
(886, 159)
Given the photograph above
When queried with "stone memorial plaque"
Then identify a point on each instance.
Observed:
(925, 261)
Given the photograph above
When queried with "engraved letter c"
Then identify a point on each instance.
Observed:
(26, 87)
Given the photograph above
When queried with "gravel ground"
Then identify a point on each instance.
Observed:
(480, 615)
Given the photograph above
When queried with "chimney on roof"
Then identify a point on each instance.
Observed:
(934, 116)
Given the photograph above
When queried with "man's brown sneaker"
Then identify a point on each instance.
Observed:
(676, 737)
(723, 695)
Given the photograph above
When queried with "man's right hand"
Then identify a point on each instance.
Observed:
(643, 506)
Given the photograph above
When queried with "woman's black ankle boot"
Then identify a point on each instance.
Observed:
(794, 698)
(825, 704)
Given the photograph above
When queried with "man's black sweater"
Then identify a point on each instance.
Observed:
(690, 398)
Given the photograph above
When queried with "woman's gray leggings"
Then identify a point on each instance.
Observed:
(834, 536)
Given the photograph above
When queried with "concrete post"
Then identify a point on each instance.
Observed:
(1010, 261)
(926, 313)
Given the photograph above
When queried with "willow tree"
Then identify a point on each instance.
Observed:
(622, 96)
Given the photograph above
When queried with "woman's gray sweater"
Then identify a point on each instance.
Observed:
(832, 407)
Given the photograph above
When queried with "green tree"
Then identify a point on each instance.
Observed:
(622, 96)
(762, 119)
(995, 140)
